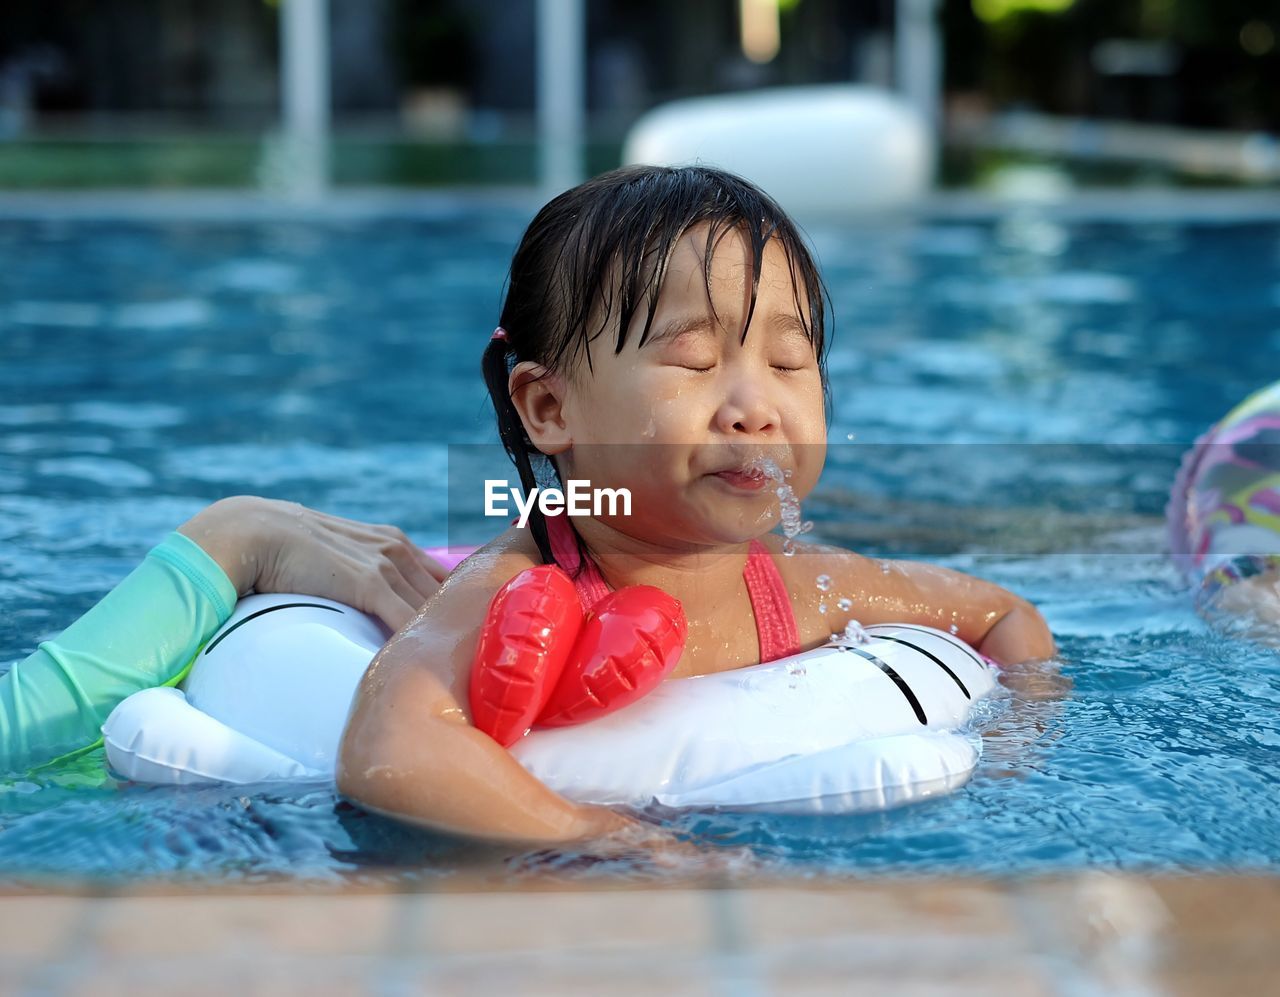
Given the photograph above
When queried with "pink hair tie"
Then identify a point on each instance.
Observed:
(499, 333)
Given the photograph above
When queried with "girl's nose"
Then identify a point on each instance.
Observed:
(747, 409)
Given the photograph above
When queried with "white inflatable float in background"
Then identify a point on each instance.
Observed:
(843, 728)
(823, 150)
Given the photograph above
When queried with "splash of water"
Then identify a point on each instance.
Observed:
(792, 523)
(855, 633)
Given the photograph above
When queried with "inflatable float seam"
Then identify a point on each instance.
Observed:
(883, 779)
(307, 774)
(143, 755)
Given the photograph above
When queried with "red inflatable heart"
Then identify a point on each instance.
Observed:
(629, 642)
(527, 637)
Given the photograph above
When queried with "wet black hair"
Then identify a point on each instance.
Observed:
(602, 249)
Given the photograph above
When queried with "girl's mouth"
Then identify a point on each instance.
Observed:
(749, 479)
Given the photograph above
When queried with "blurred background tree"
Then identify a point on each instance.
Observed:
(446, 87)
(1200, 63)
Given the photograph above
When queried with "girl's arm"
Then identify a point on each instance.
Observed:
(999, 624)
(409, 750)
(1019, 634)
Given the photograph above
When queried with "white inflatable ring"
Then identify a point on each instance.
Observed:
(845, 727)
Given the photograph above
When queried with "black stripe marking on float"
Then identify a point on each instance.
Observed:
(898, 680)
(963, 646)
(263, 612)
(936, 660)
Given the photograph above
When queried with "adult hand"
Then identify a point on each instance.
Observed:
(267, 545)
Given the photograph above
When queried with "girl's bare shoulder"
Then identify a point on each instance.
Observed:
(507, 554)
(831, 587)
(802, 569)
(441, 639)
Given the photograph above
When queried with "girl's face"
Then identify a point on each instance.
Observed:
(685, 421)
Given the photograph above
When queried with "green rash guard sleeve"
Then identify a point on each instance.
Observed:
(144, 633)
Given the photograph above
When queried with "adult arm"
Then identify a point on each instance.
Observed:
(142, 634)
(148, 628)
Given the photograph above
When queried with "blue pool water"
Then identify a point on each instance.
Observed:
(1018, 391)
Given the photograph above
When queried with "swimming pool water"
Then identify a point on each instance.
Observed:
(1018, 391)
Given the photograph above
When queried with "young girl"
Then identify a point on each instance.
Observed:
(663, 332)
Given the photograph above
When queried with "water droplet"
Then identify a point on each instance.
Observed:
(954, 629)
(824, 583)
(850, 436)
(789, 506)
(855, 634)
(822, 607)
(844, 605)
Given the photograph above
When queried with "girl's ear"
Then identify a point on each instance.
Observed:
(538, 396)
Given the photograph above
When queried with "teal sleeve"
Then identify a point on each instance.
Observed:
(143, 633)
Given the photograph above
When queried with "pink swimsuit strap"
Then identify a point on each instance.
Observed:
(589, 582)
(775, 620)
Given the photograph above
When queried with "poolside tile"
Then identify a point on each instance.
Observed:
(622, 978)
(1222, 935)
(38, 927)
(201, 926)
(1191, 935)
(904, 938)
(1244, 910)
(547, 922)
(906, 982)
(808, 913)
(1092, 932)
(242, 977)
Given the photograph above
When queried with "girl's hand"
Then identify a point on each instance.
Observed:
(1037, 680)
(621, 843)
(266, 545)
